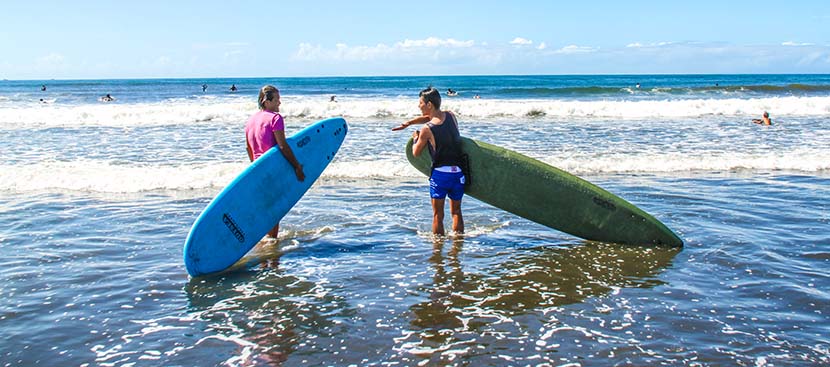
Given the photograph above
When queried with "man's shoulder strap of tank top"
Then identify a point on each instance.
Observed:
(451, 117)
(447, 116)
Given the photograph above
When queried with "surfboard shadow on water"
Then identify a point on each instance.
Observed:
(260, 317)
(266, 314)
(464, 306)
(260, 314)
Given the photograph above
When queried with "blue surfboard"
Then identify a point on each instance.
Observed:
(245, 210)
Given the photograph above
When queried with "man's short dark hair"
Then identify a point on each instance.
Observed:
(431, 95)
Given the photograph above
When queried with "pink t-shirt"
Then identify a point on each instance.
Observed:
(260, 131)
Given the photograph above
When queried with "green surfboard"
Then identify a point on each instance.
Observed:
(552, 197)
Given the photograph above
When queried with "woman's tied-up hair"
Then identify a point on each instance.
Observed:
(266, 93)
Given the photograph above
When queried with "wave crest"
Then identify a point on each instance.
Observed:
(101, 176)
(237, 112)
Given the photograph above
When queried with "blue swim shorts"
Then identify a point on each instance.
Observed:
(443, 184)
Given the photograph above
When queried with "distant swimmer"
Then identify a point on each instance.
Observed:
(107, 98)
(451, 92)
(638, 85)
(332, 99)
(763, 121)
(233, 88)
(204, 87)
(43, 88)
(477, 96)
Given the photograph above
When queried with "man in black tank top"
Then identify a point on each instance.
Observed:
(441, 137)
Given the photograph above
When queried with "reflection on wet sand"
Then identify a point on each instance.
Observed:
(267, 314)
(466, 311)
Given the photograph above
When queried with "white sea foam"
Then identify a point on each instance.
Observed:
(97, 176)
(147, 114)
(100, 176)
(372, 169)
(176, 112)
(805, 160)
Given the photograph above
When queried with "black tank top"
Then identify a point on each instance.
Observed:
(447, 150)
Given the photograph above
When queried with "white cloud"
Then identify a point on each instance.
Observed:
(51, 60)
(790, 43)
(815, 58)
(521, 41)
(434, 42)
(438, 55)
(654, 44)
(574, 49)
(437, 47)
(308, 51)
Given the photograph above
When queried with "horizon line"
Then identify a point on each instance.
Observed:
(405, 75)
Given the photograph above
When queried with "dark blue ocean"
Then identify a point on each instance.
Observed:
(96, 199)
(571, 87)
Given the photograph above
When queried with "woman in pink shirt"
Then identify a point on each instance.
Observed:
(266, 129)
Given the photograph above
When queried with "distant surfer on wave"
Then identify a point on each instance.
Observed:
(764, 120)
(266, 129)
(440, 135)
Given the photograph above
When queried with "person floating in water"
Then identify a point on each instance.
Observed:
(43, 88)
(638, 85)
(763, 121)
(233, 88)
(451, 92)
(204, 87)
(107, 98)
(477, 96)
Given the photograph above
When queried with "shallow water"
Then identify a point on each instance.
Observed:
(99, 280)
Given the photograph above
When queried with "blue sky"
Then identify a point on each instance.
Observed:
(157, 39)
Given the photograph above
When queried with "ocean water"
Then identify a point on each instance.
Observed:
(97, 198)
